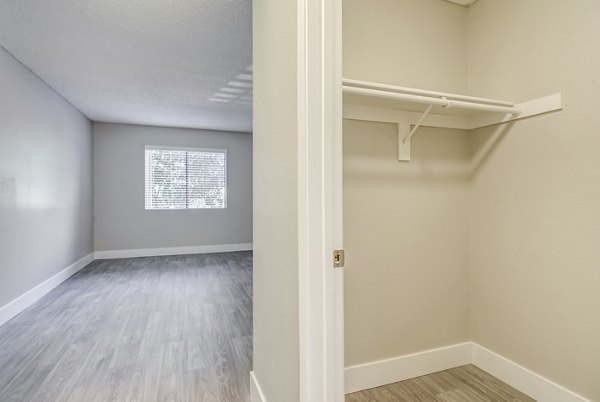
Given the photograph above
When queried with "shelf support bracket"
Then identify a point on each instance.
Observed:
(405, 134)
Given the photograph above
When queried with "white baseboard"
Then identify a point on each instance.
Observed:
(152, 252)
(256, 394)
(382, 372)
(523, 379)
(27, 299)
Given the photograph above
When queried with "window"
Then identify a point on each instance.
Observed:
(185, 178)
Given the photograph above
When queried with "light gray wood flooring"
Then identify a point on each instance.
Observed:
(460, 384)
(175, 328)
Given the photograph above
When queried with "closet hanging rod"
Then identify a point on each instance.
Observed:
(424, 92)
(430, 100)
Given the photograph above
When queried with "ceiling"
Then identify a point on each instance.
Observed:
(465, 3)
(177, 63)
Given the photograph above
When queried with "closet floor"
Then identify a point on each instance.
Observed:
(465, 383)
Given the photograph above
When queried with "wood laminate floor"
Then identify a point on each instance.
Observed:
(460, 384)
(176, 328)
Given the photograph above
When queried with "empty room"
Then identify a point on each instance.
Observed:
(126, 160)
(299, 200)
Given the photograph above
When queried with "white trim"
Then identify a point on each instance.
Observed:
(256, 393)
(334, 166)
(149, 178)
(319, 136)
(523, 379)
(388, 371)
(382, 372)
(152, 252)
(19, 304)
(189, 149)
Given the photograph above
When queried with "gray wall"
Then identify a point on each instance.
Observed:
(120, 220)
(45, 181)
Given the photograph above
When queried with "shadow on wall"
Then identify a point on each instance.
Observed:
(484, 143)
(371, 155)
(8, 192)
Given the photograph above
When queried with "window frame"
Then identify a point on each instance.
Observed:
(185, 149)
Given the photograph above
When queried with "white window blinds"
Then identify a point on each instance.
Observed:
(183, 178)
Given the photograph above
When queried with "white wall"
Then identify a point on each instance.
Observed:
(535, 217)
(45, 181)
(405, 224)
(120, 218)
(276, 318)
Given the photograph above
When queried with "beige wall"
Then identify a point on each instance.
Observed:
(276, 342)
(535, 218)
(405, 224)
(406, 238)
(418, 43)
(528, 245)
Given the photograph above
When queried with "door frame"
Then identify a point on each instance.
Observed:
(321, 300)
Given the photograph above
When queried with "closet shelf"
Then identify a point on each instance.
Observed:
(418, 107)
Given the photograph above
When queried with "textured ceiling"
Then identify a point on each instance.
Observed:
(466, 3)
(180, 63)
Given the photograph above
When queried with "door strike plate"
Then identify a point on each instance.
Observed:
(338, 258)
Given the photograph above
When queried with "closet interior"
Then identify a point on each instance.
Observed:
(453, 126)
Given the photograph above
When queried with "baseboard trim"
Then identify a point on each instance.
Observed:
(525, 380)
(382, 372)
(19, 304)
(152, 252)
(256, 394)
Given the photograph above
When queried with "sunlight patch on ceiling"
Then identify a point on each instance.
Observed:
(237, 91)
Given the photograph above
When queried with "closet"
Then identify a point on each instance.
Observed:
(449, 124)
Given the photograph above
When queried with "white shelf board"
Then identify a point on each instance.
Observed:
(377, 102)
(535, 107)
(468, 120)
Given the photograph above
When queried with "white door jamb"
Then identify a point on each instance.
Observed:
(320, 200)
